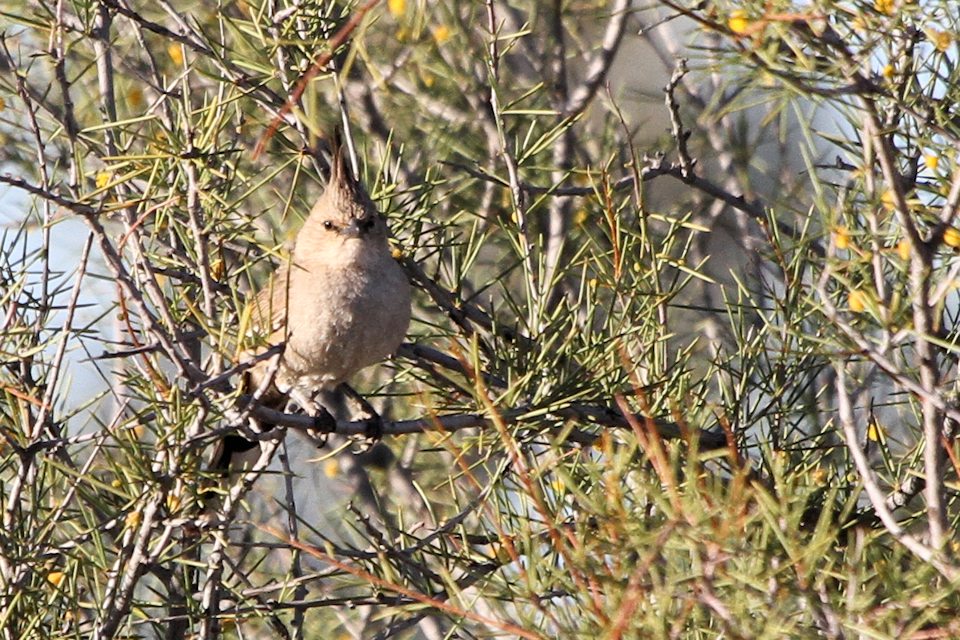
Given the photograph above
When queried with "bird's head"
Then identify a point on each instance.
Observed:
(344, 216)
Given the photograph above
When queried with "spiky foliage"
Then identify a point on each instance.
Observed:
(660, 346)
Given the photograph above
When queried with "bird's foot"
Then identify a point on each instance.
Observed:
(323, 425)
(374, 428)
(360, 404)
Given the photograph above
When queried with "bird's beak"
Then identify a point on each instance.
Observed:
(358, 226)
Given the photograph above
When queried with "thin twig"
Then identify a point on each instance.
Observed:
(876, 495)
(680, 135)
(335, 42)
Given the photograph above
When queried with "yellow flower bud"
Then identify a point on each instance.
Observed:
(331, 468)
(903, 249)
(888, 200)
(951, 237)
(133, 519)
(135, 97)
(176, 53)
(856, 301)
(441, 33)
(940, 39)
(738, 22)
(885, 6)
(842, 237)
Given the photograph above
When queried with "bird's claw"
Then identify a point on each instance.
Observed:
(374, 429)
(323, 425)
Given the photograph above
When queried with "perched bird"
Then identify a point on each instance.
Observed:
(340, 304)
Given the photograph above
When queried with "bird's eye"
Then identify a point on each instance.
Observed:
(328, 225)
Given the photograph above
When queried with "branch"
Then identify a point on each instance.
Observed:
(876, 495)
(46, 194)
(600, 65)
(335, 42)
(596, 414)
(680, 135)
(655, 168)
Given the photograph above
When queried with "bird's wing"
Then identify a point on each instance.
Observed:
(266, 319)
(269, 313)
(265, 325)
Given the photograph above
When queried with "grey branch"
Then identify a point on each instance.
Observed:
(593, 414)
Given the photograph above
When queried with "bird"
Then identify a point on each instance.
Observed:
(340, 303)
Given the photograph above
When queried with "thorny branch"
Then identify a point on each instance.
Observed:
(494, 390)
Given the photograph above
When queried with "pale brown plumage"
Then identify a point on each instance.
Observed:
(341, 303)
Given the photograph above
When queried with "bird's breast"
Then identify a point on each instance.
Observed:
(342, 319)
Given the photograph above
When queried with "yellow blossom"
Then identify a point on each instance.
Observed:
(441, 33)
(842, 235)
(55, 578)
(396, 253)
(887, 71)
(738, 22)
(888, 199)
(175, 53)
(330, 468)
(951, 238)
(117, 483)
(217, 268)
(931, 161)
(856, 301)
(903, 249)
(885, 6)
(103, 179)
(873, 432)
(397, 7)
(135, 97)
(580, 217)
(133, 519)
(3, 104)
(940, 39)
